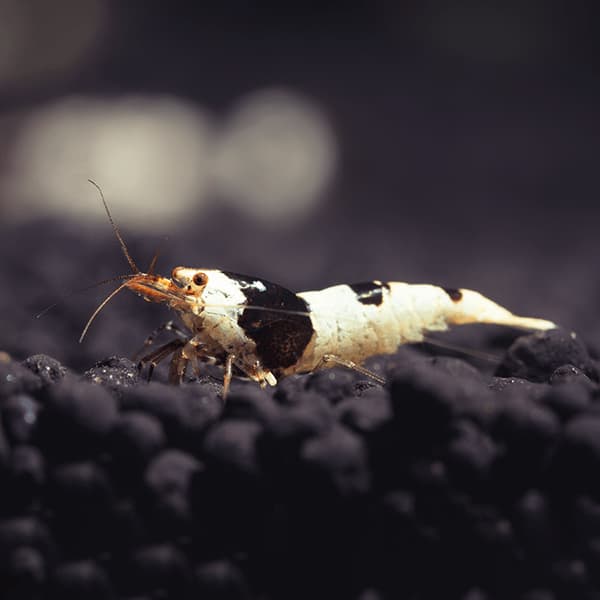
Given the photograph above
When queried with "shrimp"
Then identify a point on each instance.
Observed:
(264, 331)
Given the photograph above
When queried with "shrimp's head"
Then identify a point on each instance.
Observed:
(191, 282)
(184, 288)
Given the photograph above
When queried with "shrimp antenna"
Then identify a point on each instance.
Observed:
(153, 263)
(157, 253)
(102, 305)
(70, 293)
(130, 260)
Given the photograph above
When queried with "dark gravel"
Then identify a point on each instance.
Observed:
(448, 482)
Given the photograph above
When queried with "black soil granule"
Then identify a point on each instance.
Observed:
(445, 483)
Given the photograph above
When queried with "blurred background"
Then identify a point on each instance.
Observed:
(308, 143)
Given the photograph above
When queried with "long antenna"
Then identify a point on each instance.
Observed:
(130, 260)
(83, 289)
(102, 305)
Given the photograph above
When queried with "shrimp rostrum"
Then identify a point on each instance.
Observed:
(263, 331)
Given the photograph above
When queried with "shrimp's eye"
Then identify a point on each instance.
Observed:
(200, 279)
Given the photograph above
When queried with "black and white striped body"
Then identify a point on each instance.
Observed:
(265, 331)
(271, 332)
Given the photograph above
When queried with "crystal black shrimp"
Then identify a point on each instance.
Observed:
(263, 331)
